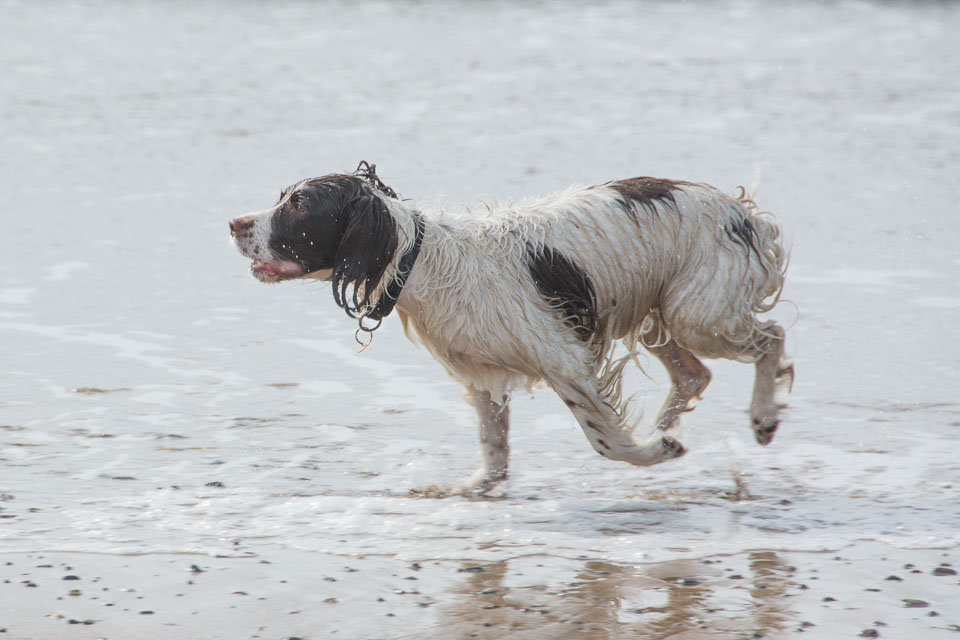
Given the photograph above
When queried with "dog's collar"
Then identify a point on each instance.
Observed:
(388, 300)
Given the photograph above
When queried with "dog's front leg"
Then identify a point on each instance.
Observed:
(494, 418)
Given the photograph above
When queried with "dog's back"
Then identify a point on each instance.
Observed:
(707, 261)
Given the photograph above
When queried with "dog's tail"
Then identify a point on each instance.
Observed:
(765, 238)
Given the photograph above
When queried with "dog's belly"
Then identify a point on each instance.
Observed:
(471, 361)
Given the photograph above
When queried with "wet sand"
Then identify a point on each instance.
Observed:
(187, 454)
(867, 591)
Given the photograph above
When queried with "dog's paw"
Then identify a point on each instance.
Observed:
(671, 448)
(482, 488)
(469, 489)
(764, 429)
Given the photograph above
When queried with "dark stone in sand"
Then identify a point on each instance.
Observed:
(869, 633)
(71, 577)
(913, 603)
(897, 578)
(944, 571)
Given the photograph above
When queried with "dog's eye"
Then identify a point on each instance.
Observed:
(299, 202)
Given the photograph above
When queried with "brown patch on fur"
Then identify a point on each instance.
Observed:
(645, 192)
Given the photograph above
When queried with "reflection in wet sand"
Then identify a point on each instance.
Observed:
(770, 579)
(600, 600)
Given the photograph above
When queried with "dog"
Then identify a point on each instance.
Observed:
(544, 290)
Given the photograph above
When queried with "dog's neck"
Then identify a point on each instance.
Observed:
(394, 289)
(407, 302)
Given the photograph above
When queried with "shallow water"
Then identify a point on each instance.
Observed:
(154, 399)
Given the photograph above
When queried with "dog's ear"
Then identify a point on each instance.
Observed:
(367, 245)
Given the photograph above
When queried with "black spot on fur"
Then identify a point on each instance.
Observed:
(338, 222)
(593, 426)
(645, 192)
(603, 444)
(367, 246)
(742, 231)
(307, 224)
(567, 287)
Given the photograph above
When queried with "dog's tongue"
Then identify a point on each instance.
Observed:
(280, 269)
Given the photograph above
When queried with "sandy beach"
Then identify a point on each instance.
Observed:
(188, 454)
(868, 591)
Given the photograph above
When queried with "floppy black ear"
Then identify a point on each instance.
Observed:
(367, 246)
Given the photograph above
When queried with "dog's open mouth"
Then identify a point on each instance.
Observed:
(275, 271)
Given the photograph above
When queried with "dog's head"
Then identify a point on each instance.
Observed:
(337, 227)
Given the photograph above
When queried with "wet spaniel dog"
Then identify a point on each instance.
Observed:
(544, 290)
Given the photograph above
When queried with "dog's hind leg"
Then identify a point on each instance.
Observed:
(763, 346)
(688, 379)
(494, 418)
(605, 429)
(774, 376)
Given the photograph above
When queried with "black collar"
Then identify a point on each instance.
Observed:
(388, 300)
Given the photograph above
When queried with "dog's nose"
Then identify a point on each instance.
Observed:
(238, 225)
